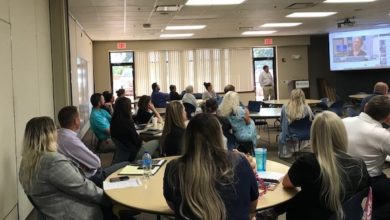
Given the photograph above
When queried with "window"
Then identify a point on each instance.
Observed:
(194, 67)
(263, 56)
(122, 72)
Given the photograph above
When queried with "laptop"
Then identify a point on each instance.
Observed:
(143, 126)
(254, 106)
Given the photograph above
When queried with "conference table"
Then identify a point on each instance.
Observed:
(266, 113)
(149, 196)
(280, 102)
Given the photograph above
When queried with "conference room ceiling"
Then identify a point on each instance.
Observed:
(110, 20)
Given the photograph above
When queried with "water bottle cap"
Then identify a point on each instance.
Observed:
(146, 151)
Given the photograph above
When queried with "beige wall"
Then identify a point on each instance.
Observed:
(289, 68)
(26, 81)
(284, 45)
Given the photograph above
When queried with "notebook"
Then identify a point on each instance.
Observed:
(136, 170)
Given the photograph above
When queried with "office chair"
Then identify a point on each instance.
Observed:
(337, 107)
(190, 110)
(299, 130)
(353, 206)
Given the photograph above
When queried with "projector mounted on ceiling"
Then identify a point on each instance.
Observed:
(348, 22)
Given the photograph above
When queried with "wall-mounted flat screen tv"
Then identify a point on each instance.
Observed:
(363, 49)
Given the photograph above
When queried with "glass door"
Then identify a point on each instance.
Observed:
(261, 57)
(122, 72)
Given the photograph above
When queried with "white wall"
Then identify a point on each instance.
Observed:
(26, 81)
(80, 46)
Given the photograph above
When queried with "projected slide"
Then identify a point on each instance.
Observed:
(368, 49)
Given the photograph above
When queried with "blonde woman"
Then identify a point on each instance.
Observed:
(53, 182)
(295, 109)
(327, 177)
(174, 127)
(243, 126)
(209, 182)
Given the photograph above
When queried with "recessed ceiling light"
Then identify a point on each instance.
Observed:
(257, 32)
(168, 8)
(176, 35)
(348, 1)
(214, 2)
(281, 24)
(185, 27)
(310, 14)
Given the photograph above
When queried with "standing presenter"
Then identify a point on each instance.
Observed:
(267, 83)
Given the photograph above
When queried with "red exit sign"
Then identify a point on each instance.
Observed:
(268, 41)
(121, 45)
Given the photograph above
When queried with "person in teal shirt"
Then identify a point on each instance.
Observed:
(100, 121)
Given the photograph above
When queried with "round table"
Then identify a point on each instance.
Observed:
(149, 197)
(285, 101)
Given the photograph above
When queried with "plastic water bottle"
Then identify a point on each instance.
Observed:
(261, 158)
(147, 164)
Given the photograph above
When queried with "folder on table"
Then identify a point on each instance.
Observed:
(136, 170)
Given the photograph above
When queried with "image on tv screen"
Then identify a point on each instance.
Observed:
(365, 49)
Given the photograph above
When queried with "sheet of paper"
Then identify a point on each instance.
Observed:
(271, 175)
(132, 182)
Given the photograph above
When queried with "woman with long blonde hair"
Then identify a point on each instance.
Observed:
(328, 176)
(244, 128)
(174, 127)
(207, 181)
(295, 109)
(53, 182)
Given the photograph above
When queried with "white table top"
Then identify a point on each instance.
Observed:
(266, 113)
(149, 197)
(285, 101)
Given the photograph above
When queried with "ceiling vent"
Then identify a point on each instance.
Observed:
(147, 25)
(302, 5)
(245, 28)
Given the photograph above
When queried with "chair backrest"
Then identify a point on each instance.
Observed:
(190, 109)
(353, 206)
(300, 129)
(254, 106)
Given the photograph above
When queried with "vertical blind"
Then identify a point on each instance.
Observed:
(194, 67)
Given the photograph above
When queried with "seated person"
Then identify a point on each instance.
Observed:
(100, 121)
(211, 106)
(369, 141)
(173, 95)
(295, 109)
(209, 93)
(108, 102)
(174, 127)
(159, 99)
(123, 130)
(243, 126)
(73, 148)
(328, 177)
(380, 88)
(226, 186)
(357, 47)
(53, 182)
(188, 96)
(146, 110)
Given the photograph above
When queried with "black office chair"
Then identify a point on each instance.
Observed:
(255, 106)
(299, 130)
(190, 110)
(353, 206)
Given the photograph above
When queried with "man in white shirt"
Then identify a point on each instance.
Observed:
(267, 83)
(368, 140)
(72, 147)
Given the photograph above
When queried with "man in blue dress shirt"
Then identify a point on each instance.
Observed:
(159, 99)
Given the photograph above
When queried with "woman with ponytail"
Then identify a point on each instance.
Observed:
(327, 177)
(208, 182)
